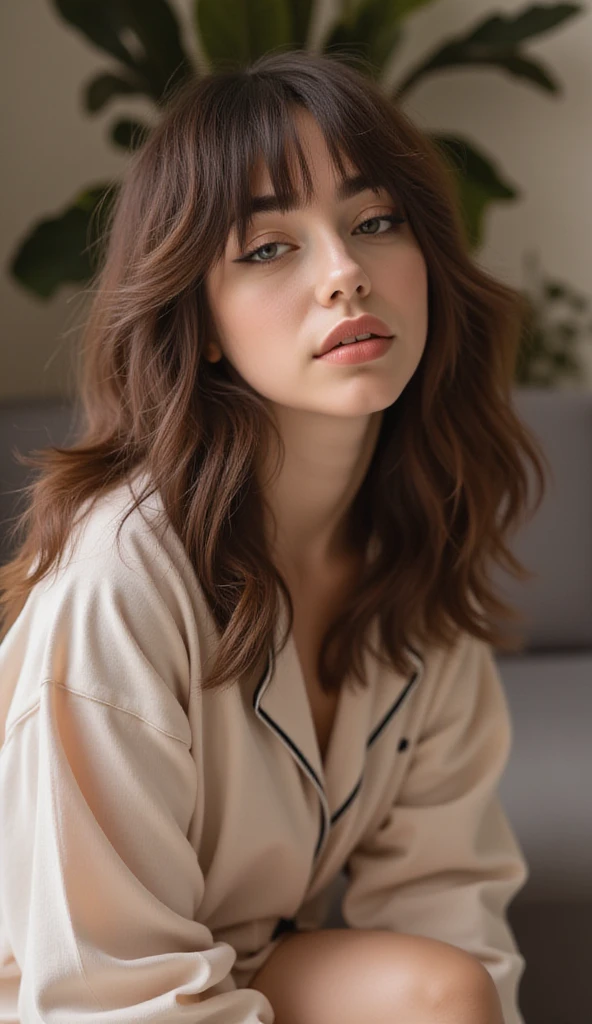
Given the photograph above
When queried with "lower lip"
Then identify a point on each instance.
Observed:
(358, 351)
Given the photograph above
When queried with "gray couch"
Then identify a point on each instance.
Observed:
(547, 786)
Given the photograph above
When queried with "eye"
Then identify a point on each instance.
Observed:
(393, 220)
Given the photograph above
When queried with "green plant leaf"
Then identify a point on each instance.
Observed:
(93, 18)
(405, 7)
(371, 29)
(143, 35)
(505, 30)
(64, 249)
(477, 180)
(567, 331)
(301, 11)
(239, 31)
(494, 41)
(553, 290)
(128, 134)
(103, 88)
(578, 302)
(521, 67)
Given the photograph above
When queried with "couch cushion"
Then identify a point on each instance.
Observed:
(546, 788)
(557, 543)
(26, 426)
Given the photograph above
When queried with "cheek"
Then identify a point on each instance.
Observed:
(266, 316)
(234, 314)
(408, 280)
(407, 292)
(418, 292)
(256, 329)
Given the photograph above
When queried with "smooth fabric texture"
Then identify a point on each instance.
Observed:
(156, 837)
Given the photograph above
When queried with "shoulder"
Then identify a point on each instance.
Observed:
(119, 620)
(113, 544)
(127, 564)
(462, 692)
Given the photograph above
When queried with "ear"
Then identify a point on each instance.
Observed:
(213, 353)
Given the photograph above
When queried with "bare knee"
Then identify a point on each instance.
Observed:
(438, 983)
(346, 976)
(465, 993)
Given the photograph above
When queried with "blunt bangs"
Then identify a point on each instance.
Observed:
(261, 126)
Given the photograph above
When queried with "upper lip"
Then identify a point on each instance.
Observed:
(365, 324)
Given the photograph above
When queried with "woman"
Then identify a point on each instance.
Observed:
(245, 528)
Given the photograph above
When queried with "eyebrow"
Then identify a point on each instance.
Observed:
(347, 189)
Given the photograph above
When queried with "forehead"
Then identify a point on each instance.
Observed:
(263, 199)
(266, 201)
(308, 136)
(286, 169)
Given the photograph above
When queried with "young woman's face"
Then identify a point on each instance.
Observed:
(316, 268)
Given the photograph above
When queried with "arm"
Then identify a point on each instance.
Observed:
(444, 862)
(100, 885)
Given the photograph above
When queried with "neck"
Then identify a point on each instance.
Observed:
(310, 496)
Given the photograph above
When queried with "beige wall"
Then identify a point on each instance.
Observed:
(51, 149)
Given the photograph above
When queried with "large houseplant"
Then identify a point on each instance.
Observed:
(143, 38)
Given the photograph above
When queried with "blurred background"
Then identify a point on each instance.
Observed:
(505, 88)
(533, 131)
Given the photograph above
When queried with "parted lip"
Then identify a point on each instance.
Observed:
(365, 324)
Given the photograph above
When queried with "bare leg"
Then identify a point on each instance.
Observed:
(348, 976)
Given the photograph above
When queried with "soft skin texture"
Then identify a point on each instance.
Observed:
(271, 316)
(334, 976)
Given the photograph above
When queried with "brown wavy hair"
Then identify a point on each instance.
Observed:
(448, 455)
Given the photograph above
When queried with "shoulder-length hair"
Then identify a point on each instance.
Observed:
(448, 455)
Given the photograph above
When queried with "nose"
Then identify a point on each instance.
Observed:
(341, 275)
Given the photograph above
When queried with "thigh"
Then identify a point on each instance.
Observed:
(352, 976)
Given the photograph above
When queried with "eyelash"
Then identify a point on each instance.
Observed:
(393, 218)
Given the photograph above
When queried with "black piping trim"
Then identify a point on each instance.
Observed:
(347, 802)
(291, 744)
(389, 714)
(322, 833)
(308, 767)
(374, 736)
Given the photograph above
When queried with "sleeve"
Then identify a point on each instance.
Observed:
(444, 862)
(100, 884)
